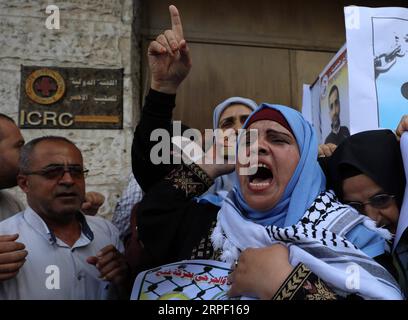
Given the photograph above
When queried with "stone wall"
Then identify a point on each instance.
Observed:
(94, 34)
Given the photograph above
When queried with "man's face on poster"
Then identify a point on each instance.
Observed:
(334, 107)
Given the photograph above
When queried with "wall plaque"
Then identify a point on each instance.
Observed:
(71, 98)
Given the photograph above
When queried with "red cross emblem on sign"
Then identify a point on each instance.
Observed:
(45, 85)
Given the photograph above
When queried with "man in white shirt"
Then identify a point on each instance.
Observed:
(70, 256)
(11, 142)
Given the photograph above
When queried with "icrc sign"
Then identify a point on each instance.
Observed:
(74, 98)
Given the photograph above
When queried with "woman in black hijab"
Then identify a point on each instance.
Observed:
(367, 172)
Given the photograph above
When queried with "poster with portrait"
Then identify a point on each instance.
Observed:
(334, 100)
(185, 280)
(377, 45)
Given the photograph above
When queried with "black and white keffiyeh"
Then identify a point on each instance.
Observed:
(319, 241)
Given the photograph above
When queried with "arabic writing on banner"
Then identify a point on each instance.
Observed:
(185, 280)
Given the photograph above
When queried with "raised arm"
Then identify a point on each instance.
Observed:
(169, 63)
(169, 57)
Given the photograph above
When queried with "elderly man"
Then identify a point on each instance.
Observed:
(70, 256)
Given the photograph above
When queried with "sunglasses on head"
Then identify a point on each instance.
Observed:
(57, 172)
(378, 201)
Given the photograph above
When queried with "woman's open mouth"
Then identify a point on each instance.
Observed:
(262, 179)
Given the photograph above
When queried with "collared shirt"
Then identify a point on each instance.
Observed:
(121, 217)
(53, 270)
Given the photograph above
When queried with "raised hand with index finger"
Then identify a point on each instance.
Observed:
(169, 57)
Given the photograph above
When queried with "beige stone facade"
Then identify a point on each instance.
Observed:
(92, 34)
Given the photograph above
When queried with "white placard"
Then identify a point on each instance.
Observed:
(377, 52)
(307, 104)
